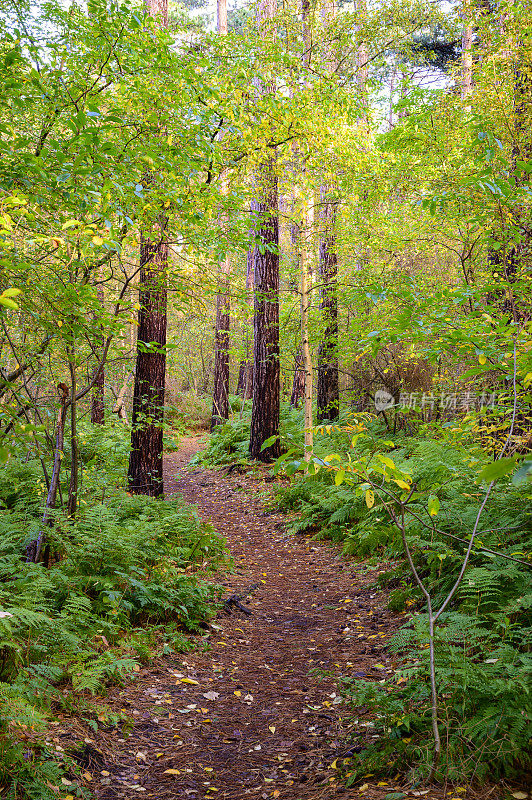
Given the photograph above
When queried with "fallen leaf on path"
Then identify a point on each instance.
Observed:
(191, 681)
(364, 787)
(271, 728)
(238, 693)
(172, 772)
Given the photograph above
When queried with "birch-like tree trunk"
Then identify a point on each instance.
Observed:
(220, 396)
(467, 54)
(245, 372)
(266, 369)
(97, 403)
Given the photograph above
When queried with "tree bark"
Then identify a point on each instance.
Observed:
(145, 474)
(266, 368)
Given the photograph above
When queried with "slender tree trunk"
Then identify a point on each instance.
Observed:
(220, 397)
(328, 395)
(298, 385)
(467, 54)
(266, 369)
(74, 459)
(97, 404)
(34, 549)
(245, 372)
(305, 294)
(145, 473)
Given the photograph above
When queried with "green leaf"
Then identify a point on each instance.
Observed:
(339, 477)
(269, 442)
(499, 468)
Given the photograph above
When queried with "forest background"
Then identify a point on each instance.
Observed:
(360, 176)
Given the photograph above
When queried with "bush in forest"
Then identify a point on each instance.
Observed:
(120, 583)
(482, 641)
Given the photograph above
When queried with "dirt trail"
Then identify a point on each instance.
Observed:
(258, 723)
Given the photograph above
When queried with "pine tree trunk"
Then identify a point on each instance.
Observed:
(328, 397)
(220, 395)
(145, 474)
(266, 369)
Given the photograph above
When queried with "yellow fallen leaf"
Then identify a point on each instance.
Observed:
(191, 681)
(87, 776)
(104, 773)
(69, 797)
(65, 782)
(333, 765)
(271, 728)
(171, 772)
(208, 769)
(519, 795)
(238, 693)
(276, 793)
(159, 755)
(364, 787)
(382, 783)
(212, 789)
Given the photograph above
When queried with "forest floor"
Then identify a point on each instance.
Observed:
(253, 714)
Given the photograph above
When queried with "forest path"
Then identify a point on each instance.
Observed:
(258, 723)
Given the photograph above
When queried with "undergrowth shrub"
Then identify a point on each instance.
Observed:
(122, 582)
(484, 640)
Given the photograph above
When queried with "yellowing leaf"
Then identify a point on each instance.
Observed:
(97, 240)
(364, 787)
(172, 772)
(370, 498)
(190, 681)
(333, 765)
(434, 506)
(238, 693)
(271, 728)
(401, 484)
(482, 359)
